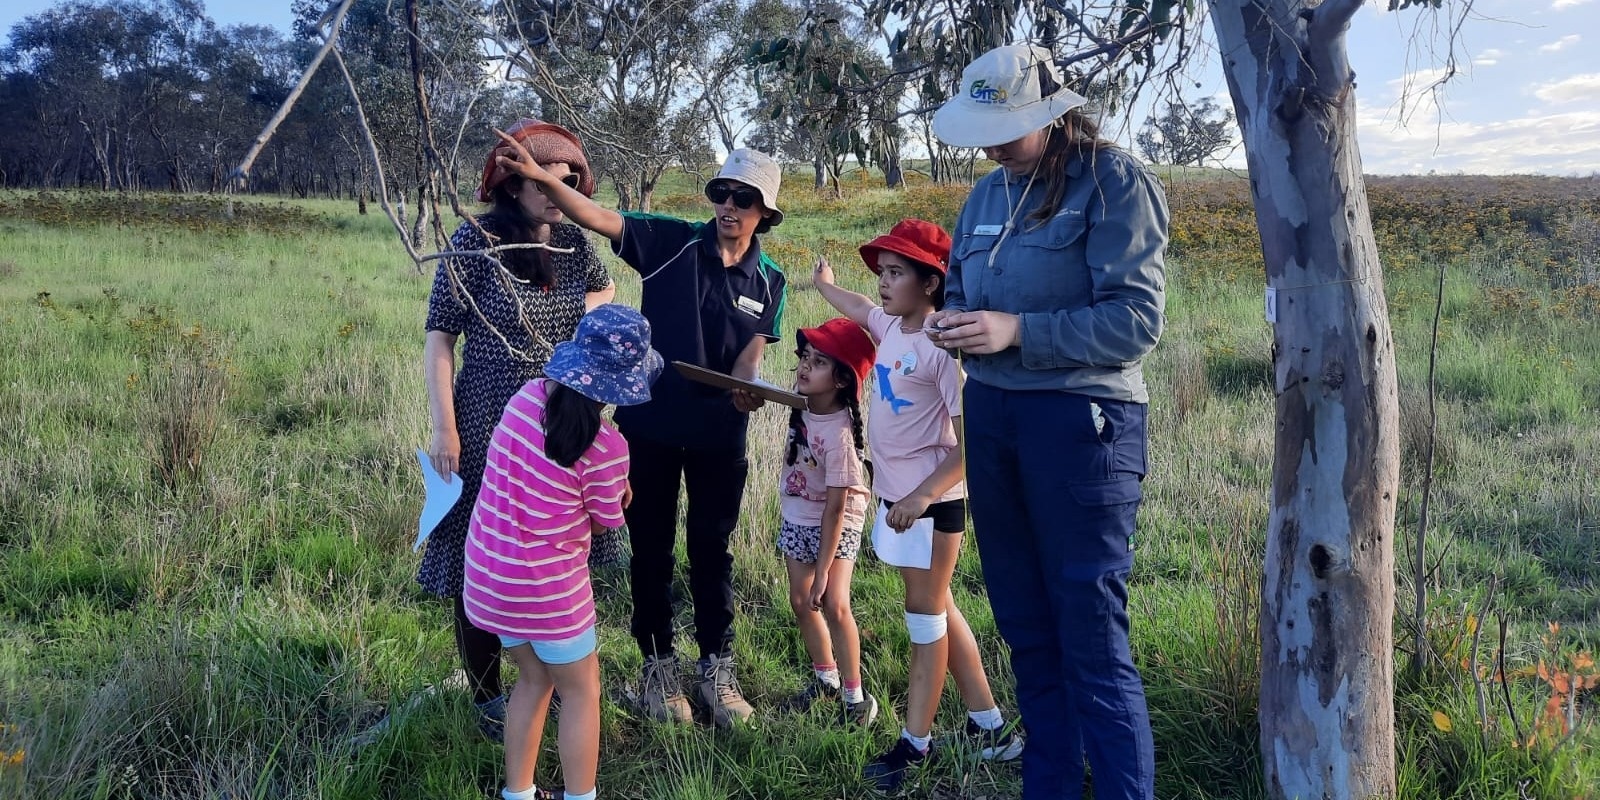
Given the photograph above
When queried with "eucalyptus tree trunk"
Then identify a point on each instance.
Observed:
(1327, 655)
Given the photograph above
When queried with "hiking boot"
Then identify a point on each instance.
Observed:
(803, 700)
(860, 714)
(888, 771)
(1001, 744)
(717, 693)
(661, 691)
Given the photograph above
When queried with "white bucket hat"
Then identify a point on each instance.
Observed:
(757, 169)
(1000, 98)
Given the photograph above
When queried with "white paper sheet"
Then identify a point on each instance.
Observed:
(440, 498)
(913, 548)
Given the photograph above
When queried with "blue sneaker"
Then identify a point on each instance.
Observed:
(888, 771)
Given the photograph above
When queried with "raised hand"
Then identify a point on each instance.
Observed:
(822, 272)
(520, 161)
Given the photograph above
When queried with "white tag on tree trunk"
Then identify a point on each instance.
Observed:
(1272, 305)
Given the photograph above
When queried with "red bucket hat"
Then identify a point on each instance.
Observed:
(548, 143)
(843, 341)
(918, 240)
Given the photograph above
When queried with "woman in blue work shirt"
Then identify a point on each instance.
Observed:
(1055, 293)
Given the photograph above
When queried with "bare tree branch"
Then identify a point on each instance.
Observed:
(241, 173)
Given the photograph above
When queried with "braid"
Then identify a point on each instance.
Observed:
(796, 425)
(853, 405)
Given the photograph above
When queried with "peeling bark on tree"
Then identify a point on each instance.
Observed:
(1327, 663)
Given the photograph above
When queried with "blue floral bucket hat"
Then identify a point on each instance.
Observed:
(609, 358)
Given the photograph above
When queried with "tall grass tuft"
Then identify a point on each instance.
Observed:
(1237, 551)
(1190, 391)
(186, 384)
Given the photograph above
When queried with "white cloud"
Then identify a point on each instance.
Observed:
(1568, 90)
(1559, 144)
(1564, 4)
(1488, 58)
(1560, 44)
(1417, 81)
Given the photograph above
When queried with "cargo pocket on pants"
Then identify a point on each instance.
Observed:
(1106, 510)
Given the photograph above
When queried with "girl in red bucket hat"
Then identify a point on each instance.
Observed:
(918, 478)
(823, 497)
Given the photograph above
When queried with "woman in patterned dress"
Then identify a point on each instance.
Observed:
(511, 319)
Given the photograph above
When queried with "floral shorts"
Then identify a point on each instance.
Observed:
(802, 542)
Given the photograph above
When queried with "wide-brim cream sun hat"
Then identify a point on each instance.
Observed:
(1001, 98)
(757, 169)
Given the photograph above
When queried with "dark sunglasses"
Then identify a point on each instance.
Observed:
(570, 180)
(743, 197)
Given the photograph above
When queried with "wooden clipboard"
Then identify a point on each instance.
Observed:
(765, 391)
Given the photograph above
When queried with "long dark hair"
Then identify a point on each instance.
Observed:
(509, 221)
(847, 395)
(571, 421)
(1071, 134)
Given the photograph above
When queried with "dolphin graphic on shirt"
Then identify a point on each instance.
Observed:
(886, 391)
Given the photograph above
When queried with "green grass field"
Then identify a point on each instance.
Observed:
(208, 493)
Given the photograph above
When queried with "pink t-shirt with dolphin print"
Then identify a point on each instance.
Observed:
(916, 393)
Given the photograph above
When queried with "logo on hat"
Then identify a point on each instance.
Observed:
(986, 94)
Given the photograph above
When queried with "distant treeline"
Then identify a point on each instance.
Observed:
(153, 95)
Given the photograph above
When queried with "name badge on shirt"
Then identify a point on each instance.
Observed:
(748, 306)
(986, 230)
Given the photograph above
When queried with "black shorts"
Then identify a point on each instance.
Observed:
(949, 516)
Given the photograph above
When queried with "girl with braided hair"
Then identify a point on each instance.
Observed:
(823, 493)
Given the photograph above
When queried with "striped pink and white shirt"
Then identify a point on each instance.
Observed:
(527, 550)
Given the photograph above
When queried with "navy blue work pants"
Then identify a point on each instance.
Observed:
(1053, 482)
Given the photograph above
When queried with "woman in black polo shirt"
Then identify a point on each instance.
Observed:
(713, 299)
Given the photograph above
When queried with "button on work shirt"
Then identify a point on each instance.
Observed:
(700, 312)
(1088, 283)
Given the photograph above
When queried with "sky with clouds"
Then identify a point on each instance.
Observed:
(1525, 97)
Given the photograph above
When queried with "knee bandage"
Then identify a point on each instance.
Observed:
(926, 628)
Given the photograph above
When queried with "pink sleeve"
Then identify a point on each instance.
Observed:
(878, 322)
(947, 371)
(605, 478)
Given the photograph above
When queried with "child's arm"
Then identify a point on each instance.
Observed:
(949, 472)
(832, 532)
(852, 305)
(598, 525)
(605, 490)
(572, 202)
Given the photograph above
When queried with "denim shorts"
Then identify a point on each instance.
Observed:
(557, 651)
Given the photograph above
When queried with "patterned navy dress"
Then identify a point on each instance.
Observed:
(491, 372)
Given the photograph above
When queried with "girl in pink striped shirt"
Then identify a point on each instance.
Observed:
(556, 471)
